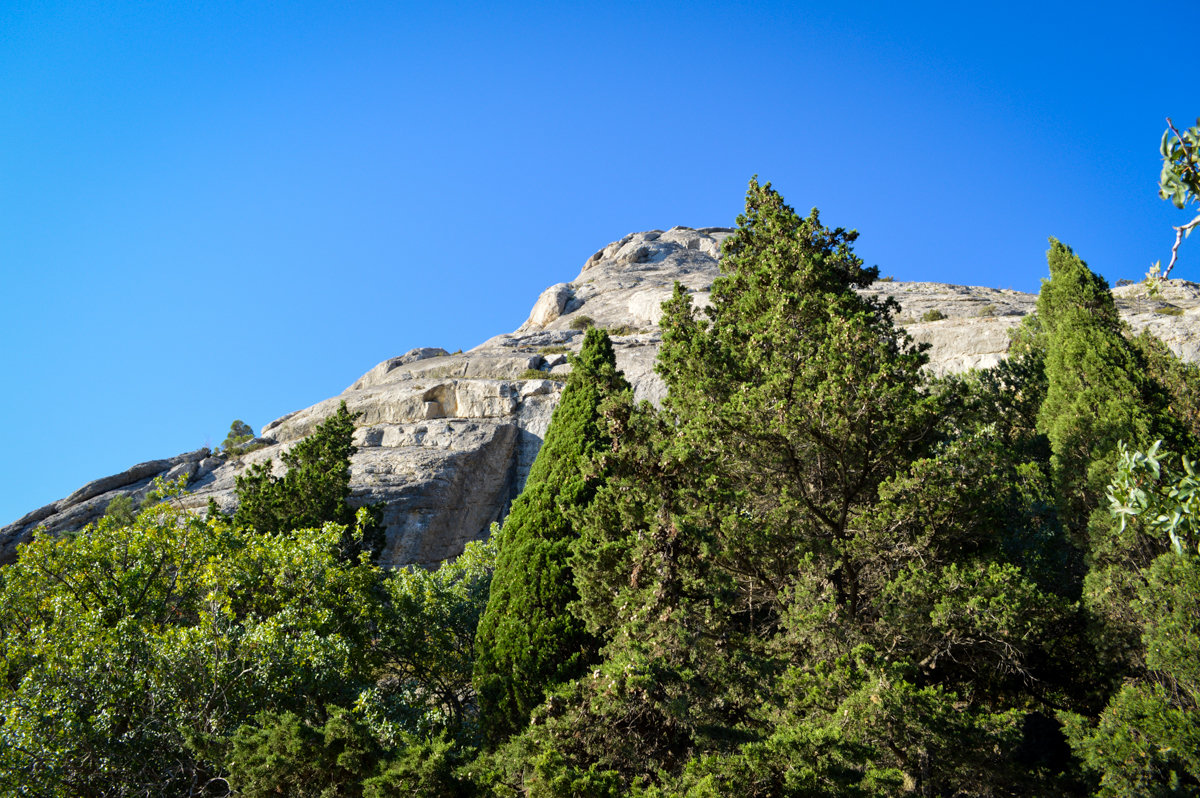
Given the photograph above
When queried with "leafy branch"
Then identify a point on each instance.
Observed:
(1180, 183)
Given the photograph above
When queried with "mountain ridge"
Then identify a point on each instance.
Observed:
(445, 439)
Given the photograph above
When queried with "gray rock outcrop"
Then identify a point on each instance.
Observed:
(445, 440)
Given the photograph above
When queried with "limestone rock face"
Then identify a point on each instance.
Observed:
(445, 440)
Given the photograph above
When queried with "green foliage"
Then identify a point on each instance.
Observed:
(129, 654)
(281, 754)
(933, 315)
(582, 322)
(239, 434)
(314, 490)
(528, 640)
(1180, 183)
(1146, 741)
(814, 570)
(427, 635)
(1180, 381)
(1167, 505)
(987, 310)
(535, 374)
(180, 655)
(802, 493)
(426, 768)
(1097, 392)
(1168, 310)
(121, 510)
(557, 349)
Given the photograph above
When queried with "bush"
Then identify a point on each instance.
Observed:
(1169, 310)
(557, 349)
(538, 374)
(582, 322)
(987, 310)
(933, 315)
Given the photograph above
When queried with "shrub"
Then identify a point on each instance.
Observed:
(1169, 310)
(557, 349)
(887, 279)
(987, 310)
(933, 315)
(537, 374)
(582, 322)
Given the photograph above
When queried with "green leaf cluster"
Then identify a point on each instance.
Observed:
(1180, 178)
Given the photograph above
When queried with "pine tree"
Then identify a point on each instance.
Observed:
(528, 640)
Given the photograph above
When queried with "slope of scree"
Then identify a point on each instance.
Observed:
(445, 440)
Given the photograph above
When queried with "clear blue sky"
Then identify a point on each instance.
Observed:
(225, 210)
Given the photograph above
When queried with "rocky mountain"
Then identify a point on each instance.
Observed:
(445, 440)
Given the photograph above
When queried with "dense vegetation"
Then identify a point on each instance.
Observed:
(813, 570)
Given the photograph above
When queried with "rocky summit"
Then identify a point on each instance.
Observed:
(445, 440)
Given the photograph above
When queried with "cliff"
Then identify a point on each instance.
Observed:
(445, 440)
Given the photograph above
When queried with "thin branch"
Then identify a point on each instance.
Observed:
(1187, 156)
(1179, 234)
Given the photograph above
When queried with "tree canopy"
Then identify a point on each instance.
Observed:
(813, 569)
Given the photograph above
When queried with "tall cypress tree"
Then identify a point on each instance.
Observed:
(528, 640)
(1096, 393)
(1099, 393)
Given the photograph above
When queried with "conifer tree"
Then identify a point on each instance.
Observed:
(1097, 395)
(314, 490)
(787, 561)
(1101, 392)
(528, 640)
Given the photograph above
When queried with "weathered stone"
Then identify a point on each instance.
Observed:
(446, 440)
(549, 306)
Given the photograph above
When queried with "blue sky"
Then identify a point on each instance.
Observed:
(232, 210)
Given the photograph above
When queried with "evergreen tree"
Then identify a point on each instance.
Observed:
(528, 640)
(239, 434)
(1101, 392)
(1146, 741)
(313, 491)
(800, 512)
(1097, 394)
